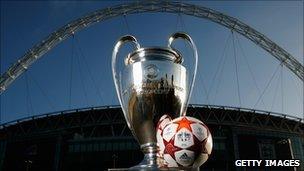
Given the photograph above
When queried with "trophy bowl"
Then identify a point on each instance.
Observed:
(153, 82)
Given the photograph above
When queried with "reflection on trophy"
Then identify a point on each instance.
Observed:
(151, 83)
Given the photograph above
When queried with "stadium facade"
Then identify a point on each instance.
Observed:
(98, 139)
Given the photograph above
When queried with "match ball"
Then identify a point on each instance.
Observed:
(187, 142)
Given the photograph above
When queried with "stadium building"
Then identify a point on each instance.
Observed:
(98, 139)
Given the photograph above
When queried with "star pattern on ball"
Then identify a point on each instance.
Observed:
(184, 123)
(170, 148)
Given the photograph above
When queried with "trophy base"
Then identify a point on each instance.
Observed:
(150, 169)
(150, 163)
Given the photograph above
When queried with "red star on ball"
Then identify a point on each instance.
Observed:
(184, 123)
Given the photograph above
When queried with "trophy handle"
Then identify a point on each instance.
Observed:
(185, 36)
(120, 42)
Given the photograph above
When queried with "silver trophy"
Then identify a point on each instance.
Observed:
(152, 82)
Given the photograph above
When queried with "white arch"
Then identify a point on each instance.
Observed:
(64, 32)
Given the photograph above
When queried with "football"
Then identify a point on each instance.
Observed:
(187, 142)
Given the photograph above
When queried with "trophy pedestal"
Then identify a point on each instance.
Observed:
(164, 169)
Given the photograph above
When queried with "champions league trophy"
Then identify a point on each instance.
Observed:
(151, 83)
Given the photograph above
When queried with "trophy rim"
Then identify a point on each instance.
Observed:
(153, 53)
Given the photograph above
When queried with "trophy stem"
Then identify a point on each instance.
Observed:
(151, 160)
(149, 148)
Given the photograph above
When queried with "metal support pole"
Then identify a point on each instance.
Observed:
(235, 148)
(2, 153)
(57, 153)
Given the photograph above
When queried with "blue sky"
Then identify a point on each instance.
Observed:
(46, 86)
